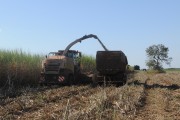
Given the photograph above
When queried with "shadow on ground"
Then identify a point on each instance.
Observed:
(170, 87)
(13, 91)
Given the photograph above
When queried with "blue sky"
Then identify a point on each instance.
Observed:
(41, 26)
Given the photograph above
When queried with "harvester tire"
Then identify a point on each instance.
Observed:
(70, 80)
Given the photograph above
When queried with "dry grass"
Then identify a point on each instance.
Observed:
(162, 97)
(145, 96)
(76, 102)
(18, 69)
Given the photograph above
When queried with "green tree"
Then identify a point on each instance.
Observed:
(157, 55)
(136, 67)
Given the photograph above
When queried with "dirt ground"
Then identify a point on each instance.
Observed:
(144, 97)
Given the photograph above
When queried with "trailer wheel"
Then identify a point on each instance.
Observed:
(124, 79)
(94, 80)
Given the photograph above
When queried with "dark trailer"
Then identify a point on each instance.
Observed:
(111, 67)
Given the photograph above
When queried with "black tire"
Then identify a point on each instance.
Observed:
(125, 79)
(41, 84)
(70, 80)
(94, 80)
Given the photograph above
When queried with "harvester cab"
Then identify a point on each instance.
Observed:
(63, 66)
(60, 68)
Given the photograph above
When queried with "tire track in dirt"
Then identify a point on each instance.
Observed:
(149, 104)
(157, 99)
(153, 107)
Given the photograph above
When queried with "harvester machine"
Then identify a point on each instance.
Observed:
(63, 66)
